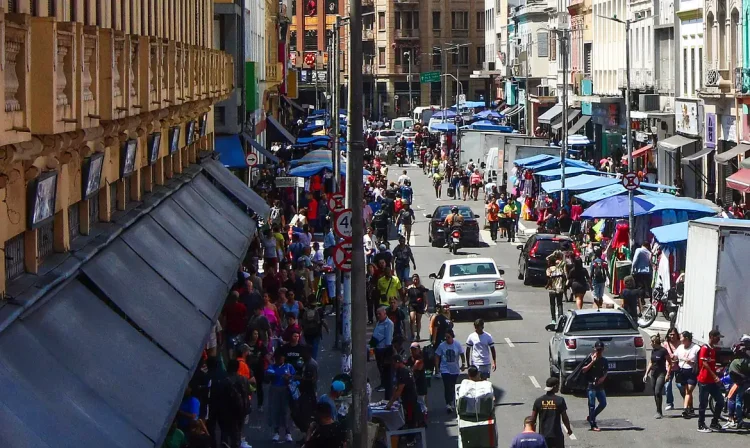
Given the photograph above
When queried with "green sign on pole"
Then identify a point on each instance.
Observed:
(429, 77)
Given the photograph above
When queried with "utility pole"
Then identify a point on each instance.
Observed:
(564, 150)
(333, 62)
(527, 104)
(408, 54)
(354, 191)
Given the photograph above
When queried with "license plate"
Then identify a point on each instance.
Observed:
(476, 302)
(612, 365)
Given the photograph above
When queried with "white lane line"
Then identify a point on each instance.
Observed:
(485, 234)
(471, 256)
(535, 382)
(510, 344)
(412, 239)
(424, 214)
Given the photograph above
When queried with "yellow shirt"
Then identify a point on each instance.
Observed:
(387, 293)
(510, 210)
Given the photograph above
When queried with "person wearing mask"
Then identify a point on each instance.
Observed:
(709, 383)
(417, 295)
(280, 374)
(579, 281)
(479, 346)
(657, 371)
(687, 358)
(402, 255)
(670, 345)
(551, 410)
(382, 343)
(528, 438)
(641, 269)
(447, 357)
(595, 369)
(631, 298)
(599, 274)
(406, 391)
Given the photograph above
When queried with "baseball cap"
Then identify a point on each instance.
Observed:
(599, 344)
(715, 333)
(551, 384)
(382, 247)
(338, 386)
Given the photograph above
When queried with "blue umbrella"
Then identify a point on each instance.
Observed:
(489, 114)
(316, 156)
(314, 168)
(444, 114)
(617, 207)
(444, 127)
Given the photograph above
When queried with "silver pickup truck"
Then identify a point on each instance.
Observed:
(577, 331)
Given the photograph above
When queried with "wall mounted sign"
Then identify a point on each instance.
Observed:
(710, 130)
(686, 117)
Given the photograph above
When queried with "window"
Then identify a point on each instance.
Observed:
(436, 20)
(692, 69)
(14, 257)
(684, 72)
(398, 20)
(460, 20)
(437, 60)
(46, 240)
(381, 56)
(311, 40)
(480, 55)
(293, 41)
(294, 8)
(700, 68)
(74, 221)
(398, 57)
(415, 19)
(381, 21)
(462, 57)
(542, 42)
(587, 50)
(552, 46)
(480, 20)
(601, 322)
(220, 115)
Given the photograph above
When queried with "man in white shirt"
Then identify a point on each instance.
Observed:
(479, 347)
(403, 178)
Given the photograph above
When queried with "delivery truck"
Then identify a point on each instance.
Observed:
(717, 278)
(476, 146)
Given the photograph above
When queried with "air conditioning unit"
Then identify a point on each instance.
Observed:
(648, 102)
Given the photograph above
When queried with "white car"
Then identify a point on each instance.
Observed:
(471, 284)
(409, 135)
(387, 137)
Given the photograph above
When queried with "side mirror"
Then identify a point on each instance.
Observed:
(501, 271)
(550, 327)
(432, 276)
(476, 216)
(519, 247)
(429, 216)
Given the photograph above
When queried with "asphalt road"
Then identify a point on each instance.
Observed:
(521, 343)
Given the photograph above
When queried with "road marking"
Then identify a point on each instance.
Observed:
(412, 239)
(471, 256)
(535, 382)
(485, 234)
(424, 214)
(510, 344)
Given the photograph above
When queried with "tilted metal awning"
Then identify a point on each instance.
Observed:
(578, 125)
(551, 114)
(726, 156)
(697, 156)
(572, 114)
(673, 143)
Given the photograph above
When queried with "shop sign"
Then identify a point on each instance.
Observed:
(710, 130)
(686, 117)
(606, 114)
(641, 137)
(729, 128)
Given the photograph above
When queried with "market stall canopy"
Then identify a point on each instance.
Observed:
(579, 183)
(471, 104)
(569, 171)
(740, 181)
(675, 142)
(664, 202)
(444, 127)
(555, 163)
(515, 110)
(485, 125)
(726, 156)
(686, 159)
(551, 114)
(578, 125)
(640, 151)
(671, 233)
(533, 159)
(444, 114)
(316, 156)
(315, 168)
(601, 193)
(617, 207)
(488, 114)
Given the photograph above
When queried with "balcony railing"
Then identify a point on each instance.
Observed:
(368, 2)
(368, 69)
(15, 80)
(407, 33)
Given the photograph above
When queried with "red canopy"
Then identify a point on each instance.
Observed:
(740, 180)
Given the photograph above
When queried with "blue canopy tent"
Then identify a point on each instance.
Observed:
(533, 159)
(581, 182)
(444, 114)
(316, 156)
(485, 125)
(444, 127)
(488, 114)
(471, 104)
(658, 186)
(617, 207)
(556, 173)
(671, 233)
(555, 163)
(609, 191)
(313, 139)
(664, 202)
(315, 168)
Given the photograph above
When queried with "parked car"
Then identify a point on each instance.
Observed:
(471, 284)
(436, 227)
(409, 135)
(386, 136)
(576, 333)
(532, 262)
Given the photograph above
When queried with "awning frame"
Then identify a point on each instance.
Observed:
(675, 142)
(551, 114)
(572, 114)
(578, 125)
(725, 157)
(696, 156)
(279, 127)
(260, 148)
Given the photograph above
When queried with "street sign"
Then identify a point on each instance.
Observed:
(283, 182)
(342, 256)
(251, 159)
(631, 181)
(342, 223)
(429, 77)
(395, 97)
(461, 98)
(336, 202)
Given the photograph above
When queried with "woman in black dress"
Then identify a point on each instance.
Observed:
(417, 295)
(579, 281)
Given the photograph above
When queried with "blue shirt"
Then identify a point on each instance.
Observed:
(528, 440)
(407, 193)
(277, 374)
(410, 146)
(375, 206)
(383, 333)
(191, 405)
(329, 401)
(641, 261)
(329, 240)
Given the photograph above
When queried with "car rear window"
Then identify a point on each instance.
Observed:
(549, 246)
(601, 321)
(459, 270)
(465, 212)
(387, 133)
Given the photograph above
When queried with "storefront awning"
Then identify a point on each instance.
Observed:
(697, 156)
(740, 181)
(641, 151)
(551, 114)
(675, 142)
(745, 163)
(260, 148)
(726, 156)
(572, 114)
(230, 151)
(121, 338)
(236, 187)
(287, 135)
(578, 125)
(515, 110)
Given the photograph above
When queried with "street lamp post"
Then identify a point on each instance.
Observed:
(407, 54)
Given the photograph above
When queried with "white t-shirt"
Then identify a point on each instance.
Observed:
(687, 354)
(450, 357)
(480, 348)
(402, 179)
(368, 243)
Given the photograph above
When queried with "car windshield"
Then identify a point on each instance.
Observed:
(387, 133)
(549, 246)
(460, 270)
(601, 322)
(442, 213)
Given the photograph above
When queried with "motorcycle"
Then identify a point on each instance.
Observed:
(668, 303)
(454, 239)
(726, 385)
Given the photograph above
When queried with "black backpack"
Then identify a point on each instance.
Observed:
(597, 271)
(237, 399)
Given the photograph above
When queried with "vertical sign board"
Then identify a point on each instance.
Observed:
(710, 130)
(251, 83)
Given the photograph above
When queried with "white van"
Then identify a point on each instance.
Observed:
(422, 114)
(493, 166)
(402, 124)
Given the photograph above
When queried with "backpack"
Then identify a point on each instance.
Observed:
(597, 270)
(406, 217)
(310, 321)
(237, 398)
(275, 215)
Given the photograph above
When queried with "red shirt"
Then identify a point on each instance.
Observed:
(236, 317)
(704, 376)
(312, 209)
